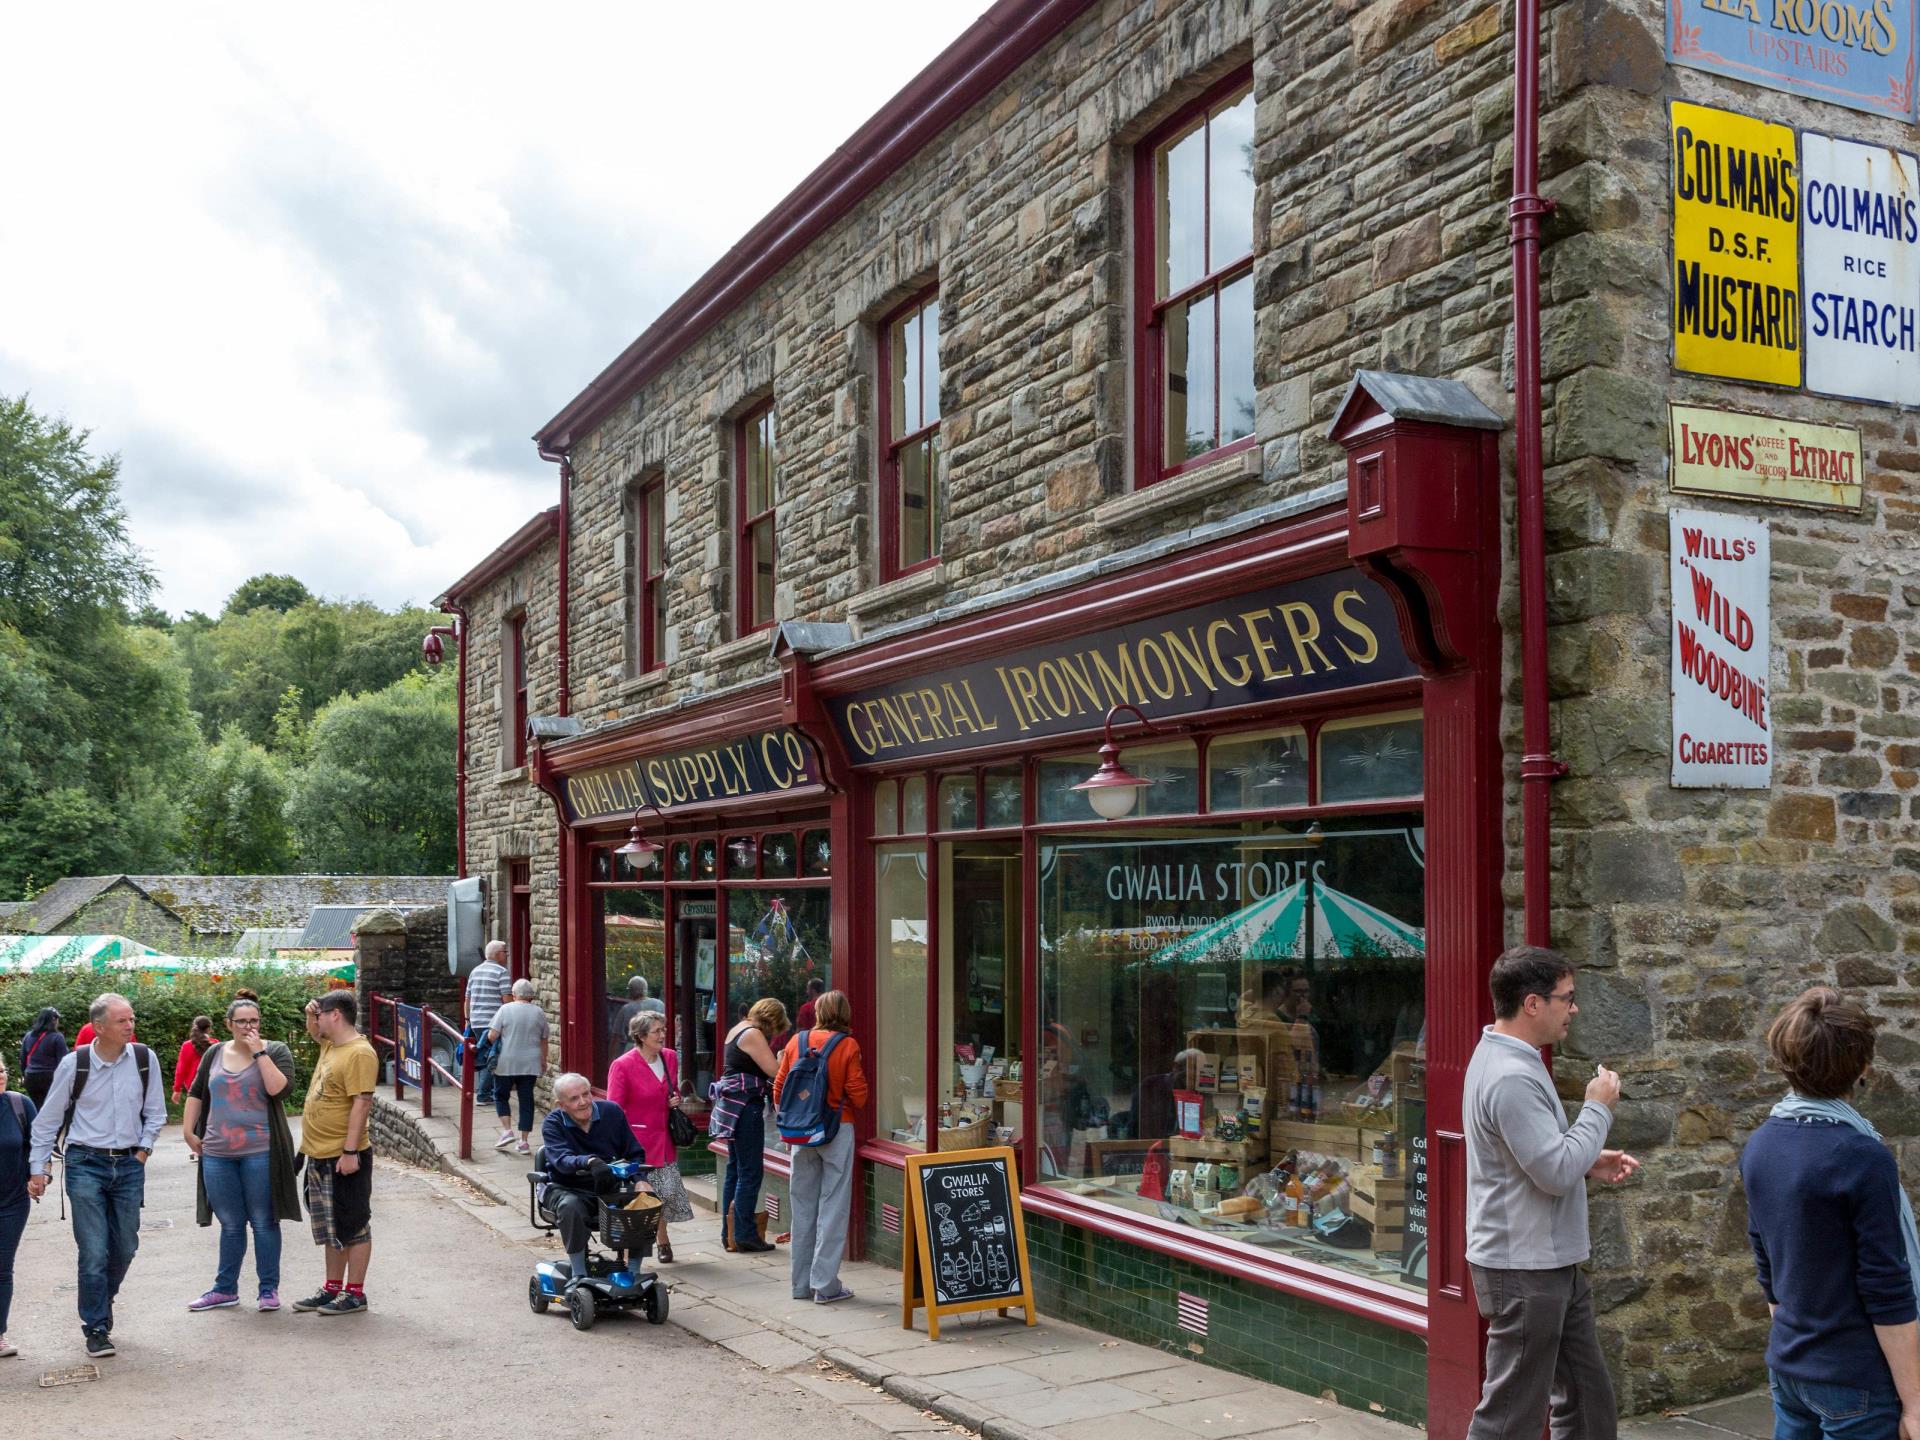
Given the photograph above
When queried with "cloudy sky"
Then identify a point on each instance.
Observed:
(316, 275)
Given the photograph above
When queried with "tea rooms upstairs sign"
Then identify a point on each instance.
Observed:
(1856, 53)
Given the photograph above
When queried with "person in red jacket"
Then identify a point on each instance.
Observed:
(191, 1049)
(821, 1184)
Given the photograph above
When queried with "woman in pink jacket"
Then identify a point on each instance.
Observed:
(645, 1084)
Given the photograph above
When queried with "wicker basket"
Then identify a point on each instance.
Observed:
(631, 1229)
(1006, 1089)
(964, 1137)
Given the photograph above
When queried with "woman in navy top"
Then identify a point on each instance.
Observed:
(1833, 1238)
(41, 1052)
(16, 1126)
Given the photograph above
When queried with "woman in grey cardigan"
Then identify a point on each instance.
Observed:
(520, 1034)
(235, 1122)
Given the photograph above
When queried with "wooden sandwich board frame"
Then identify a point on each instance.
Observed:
(916, 1248)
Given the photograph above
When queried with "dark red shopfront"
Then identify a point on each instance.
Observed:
(1283, 948)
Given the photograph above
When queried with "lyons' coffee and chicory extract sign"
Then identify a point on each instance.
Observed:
(1857, 53)
(1764, 458)
(1326, 633)
(769, 762)
(1736, 247)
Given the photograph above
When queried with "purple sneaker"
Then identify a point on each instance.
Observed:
(214, 1300)
(269, 1299)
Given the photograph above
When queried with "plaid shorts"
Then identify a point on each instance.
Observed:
(340, 1207)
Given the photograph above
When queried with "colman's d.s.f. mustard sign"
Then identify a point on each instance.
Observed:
(1736, 247)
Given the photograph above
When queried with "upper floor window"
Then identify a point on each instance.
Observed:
(648, 527)
(517, 675)
(910, 431)
(1194, 177)
(755, 542)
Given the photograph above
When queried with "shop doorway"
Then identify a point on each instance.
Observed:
(694, 998)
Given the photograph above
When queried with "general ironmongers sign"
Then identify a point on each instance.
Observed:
(770, 762)
(1327, 633)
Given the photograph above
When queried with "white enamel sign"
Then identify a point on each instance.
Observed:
(1722, 641)
(1860, 247)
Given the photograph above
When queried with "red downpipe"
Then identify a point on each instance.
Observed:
(431, 651)
(566, 530)
(1538, 767)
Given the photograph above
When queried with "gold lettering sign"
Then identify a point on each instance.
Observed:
(770, 762)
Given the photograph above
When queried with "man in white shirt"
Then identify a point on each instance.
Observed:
(115, 1119)
(486, 993)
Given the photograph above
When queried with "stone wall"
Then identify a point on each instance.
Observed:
(405, 956)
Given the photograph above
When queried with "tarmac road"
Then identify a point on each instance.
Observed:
(448, 1348)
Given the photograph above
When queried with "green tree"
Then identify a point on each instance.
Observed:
(276, 592)
(376, 796)
(235, 811)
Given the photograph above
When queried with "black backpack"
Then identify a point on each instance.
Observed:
(82, 1066)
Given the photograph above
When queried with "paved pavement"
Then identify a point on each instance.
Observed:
(1750, 1416)
(998, 1377)
(449, 1348)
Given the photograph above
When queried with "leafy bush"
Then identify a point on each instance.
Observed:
(163, 1010)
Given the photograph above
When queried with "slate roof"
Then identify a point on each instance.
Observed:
(49, 911)
(261, 942)
(330, 927)
(229, 904)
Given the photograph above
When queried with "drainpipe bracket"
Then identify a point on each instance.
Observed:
(1544, 767)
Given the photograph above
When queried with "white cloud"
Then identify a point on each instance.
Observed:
(316, 276)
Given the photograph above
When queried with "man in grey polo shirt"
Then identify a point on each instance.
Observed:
(1527, 1211)
(116, 1119)
(486, 992)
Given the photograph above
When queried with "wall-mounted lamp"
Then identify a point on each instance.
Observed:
(1113, 790)
(433, 649)
(641, 852)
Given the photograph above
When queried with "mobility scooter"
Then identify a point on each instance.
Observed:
(614, 1280)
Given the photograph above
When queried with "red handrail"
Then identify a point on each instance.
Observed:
(462, 1083)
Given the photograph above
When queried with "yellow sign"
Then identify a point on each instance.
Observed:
(1759, 457)
(1736, 247)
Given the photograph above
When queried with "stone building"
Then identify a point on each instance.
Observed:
(1029, 403)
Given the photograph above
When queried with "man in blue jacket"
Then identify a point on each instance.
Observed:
(582, 1137)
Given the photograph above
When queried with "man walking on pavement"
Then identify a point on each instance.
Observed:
(486, 993)
(333, 1137)
(107, 1101)
(1527, 1211)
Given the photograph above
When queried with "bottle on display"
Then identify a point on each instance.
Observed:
(1296, 1202)
(1390, 1150)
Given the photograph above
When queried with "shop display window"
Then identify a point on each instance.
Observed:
(1003, 789)
(957, 809)
(1262, 771)
(1173, 766)
(680, 866)
(629, 940)
(742, 852)
(1372, 757)
(886, 807)
(777, 940)
(913, 806)
(706, 859)
(1233, 1031)
(979, 1079)
(816, 855)
(779, 856)
(900, 938)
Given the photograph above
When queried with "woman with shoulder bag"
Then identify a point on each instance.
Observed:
(748, 1065)
(235, 1122)
(645, 1084)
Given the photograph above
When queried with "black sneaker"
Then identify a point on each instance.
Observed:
(318, 1301)
(345, 1304)
(99, 1344)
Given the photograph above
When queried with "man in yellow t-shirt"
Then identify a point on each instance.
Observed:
(333, 1137)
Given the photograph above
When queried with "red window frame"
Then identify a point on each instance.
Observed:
(749, 524)
(1150, 306)
(520, 917)
(517, 658)
(649, 584)
(891, 448)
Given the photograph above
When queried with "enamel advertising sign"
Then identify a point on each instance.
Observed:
(1856, 53)
(1860, 238)
(1736, 247)
(1722, 641)
(1764, 458)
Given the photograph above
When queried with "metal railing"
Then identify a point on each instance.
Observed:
(428, 1066)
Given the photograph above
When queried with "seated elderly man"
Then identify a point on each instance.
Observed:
(583, 1137)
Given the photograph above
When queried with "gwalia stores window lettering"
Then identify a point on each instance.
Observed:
(1195, 283)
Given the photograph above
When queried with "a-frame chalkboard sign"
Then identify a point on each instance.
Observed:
(963, 1243)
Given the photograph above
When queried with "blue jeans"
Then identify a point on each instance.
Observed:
(13, 1224)
(106, 1192)
(505, 1088)
(746, 1164)
(1811, 1410)
(240, 1190)
(483, 1081)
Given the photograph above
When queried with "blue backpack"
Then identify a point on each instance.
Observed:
(804, 1116)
